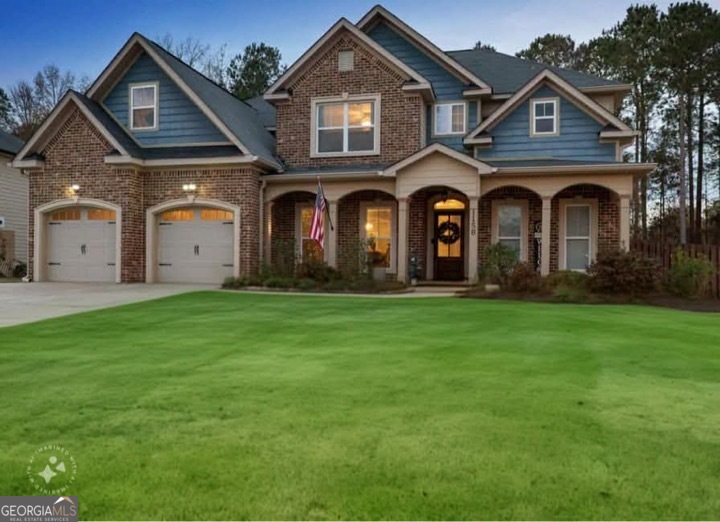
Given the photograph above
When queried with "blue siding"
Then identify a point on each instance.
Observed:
(181, 122)
(445, 85)
(578, 139)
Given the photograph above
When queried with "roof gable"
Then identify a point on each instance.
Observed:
(378, 13)
(548, 77)
(416, 80)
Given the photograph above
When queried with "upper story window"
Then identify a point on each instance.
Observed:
(449, 118)
(544, 115)
(143, 106)
(346, 127)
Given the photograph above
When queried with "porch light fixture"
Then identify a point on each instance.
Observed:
(75, 187)
(189, 187)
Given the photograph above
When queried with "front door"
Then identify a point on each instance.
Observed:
(449, 249)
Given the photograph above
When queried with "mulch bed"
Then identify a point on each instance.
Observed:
(665, 301)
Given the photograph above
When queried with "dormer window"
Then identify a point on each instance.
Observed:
(544, 117)
(143, 106)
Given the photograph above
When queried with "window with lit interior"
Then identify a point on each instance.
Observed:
(378, 235)
(346, 127)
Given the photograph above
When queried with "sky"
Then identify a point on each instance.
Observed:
(83, 36)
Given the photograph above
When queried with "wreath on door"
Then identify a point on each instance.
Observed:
(448, 232)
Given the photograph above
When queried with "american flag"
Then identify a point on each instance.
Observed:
(317, 227)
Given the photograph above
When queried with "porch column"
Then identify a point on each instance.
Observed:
(625, 222)
(266, 232)
(545, 245)
(331, 246)
(473, 240)
(402, 249)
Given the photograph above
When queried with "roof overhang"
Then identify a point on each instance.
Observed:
(455, 68)
(546, 76)
(311, 176)
(53, 121)
(277, 90)
(438, 148)
(609, 168)
(119, 160)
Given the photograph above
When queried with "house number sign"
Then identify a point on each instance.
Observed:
(473, 224)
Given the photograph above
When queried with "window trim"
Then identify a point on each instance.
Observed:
(562, 235)
(392, 205)
(556, 118)
(359, 98)
(155, 106)
(299, 207)
(433, 119)
(524, 221)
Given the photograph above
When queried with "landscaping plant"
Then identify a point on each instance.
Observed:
(689, 276)
(621, 272)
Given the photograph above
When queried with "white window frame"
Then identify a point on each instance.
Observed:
(555, 117)
(299, 207)
(392, 205)
(592, 243)
(495, 223)
(451, 104)
(346, 100)
(155, 106)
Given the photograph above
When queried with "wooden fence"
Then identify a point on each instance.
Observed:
(663, 252)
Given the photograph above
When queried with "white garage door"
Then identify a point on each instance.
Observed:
(81, 245)
(195, 245)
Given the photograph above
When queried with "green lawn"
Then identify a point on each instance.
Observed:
(219, 405)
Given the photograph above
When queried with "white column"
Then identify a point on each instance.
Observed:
(402, 249)
(625, 222)
(473, 240)
(266, 228)
(545, 246)
(331, 241)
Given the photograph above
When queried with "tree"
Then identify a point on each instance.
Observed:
(479, 46)
(50, 85)
(551, 49)
(5, 112)
(252, 72)
(26, 111)
(190, 50)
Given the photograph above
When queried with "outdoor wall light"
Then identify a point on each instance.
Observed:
(75, 187)
(189, 187)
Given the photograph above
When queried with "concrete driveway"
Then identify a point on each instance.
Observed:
(29, 302)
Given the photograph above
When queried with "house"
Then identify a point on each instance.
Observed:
(156, 174)
(13, 202)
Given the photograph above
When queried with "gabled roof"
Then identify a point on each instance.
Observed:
(546, 76)
(10, 144)
(448, 62)
(481, 166)
(508, 73)
(266, 111)
(419, 82)
(233, 117)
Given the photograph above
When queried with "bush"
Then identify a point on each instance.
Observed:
(524, 278)
(235, 282)
(621, 272)
(569, 293)
(500, 260)
(567, 280)
(689, 276)
(307, 284)
(316, 270)
(280, 282)
(354, 261)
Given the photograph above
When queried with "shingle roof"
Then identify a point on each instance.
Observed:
(542, 162)
(9, 143)
(242, 120)
(112, 126)
(265, 110)
(506, 74)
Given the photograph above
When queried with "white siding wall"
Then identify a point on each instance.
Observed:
(14, 205)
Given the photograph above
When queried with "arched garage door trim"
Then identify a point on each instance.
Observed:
(39, 236)
(151, 230)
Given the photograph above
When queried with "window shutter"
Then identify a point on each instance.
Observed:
(346, 61)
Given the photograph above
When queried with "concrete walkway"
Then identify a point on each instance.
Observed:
(30, 302)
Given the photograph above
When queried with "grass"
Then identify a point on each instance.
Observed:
(234, 406)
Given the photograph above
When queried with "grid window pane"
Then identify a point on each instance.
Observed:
(509, 221)
(449, 118)
(143, 118)
(311, 250)
(512, 243)
(143, 96)
(545, 125)
(305, 221)
(578, 221)
(330, 140)
(99, 214)
(577, 254)
(458, 118)
(361, 139)
(330, 115)
(378, 222)
(360, 114)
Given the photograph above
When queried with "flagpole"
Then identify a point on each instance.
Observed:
(327, 205)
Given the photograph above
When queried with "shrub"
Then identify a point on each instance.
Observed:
(235, 282)
(569, 293)
(524, 278)
(689, 276)
(307, 284)
(316, 270)
(621, 272)
(500, 260)
(567, 279)
(283, 259)
(354, 261)
(280, 282)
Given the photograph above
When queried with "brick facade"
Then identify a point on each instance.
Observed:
(400, 121)
(76, 155)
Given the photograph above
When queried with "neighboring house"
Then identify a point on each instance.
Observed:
(157, 174)
(13, 202)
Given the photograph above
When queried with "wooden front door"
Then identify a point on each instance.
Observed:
(449, 246)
